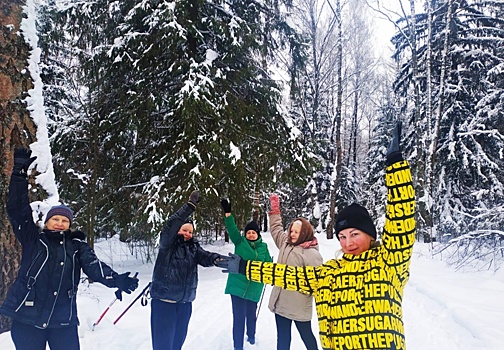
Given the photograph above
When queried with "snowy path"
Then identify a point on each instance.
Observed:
(443, 309)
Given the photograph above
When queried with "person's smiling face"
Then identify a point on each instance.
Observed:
(354, 241)
(58, 223)
(186, 230)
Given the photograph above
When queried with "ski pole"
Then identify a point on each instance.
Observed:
(260, 302)
(131, 304)
(262, 295)
(108, 307)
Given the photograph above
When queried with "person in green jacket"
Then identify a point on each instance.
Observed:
(245, 294)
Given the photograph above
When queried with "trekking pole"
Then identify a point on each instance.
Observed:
(262, 295)
(144, 291)
(260, 302)
(108, 307)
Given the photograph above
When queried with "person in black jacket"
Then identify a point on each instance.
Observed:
(175, 278)
(42, 299)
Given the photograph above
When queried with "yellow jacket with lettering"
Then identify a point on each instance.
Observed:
(359, 297)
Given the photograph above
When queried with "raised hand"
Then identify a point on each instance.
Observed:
(394, 148)
(195, 198)
(226, 206)
(22, 161)
(274, 204)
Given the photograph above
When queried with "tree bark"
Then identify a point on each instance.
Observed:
(337, 121)
(16, 129)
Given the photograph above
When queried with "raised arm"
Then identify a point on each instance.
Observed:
(400, 227)
(275, 221)
(18, 205)
(172, 225)
(229, 221)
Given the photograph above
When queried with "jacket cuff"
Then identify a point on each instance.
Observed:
(242, 268)
(394, 158)
(19, 177)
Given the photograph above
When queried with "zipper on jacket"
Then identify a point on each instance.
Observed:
(33, 263)
(73, 286)
(29, 287)
(61, 279)
(249, 281)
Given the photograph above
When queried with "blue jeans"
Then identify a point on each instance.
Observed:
(244, 312)
(169, 322)
(26, 337)
(284, 333)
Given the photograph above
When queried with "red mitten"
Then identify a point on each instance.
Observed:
(275, 204)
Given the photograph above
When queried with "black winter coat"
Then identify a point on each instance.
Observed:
(44, 292)
(175, 276)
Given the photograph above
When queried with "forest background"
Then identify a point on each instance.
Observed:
(143, 101)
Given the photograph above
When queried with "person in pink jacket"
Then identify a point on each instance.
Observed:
(297, 247)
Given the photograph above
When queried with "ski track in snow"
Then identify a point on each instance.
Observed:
(443, 309)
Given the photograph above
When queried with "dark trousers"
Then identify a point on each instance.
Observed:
(169, 322)
(26, 337)
(284, 333)
(244, 312)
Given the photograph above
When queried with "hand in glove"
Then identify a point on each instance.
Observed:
(226, 206)
(274, 204)
(118, 294)
(232, 264)
(125, 284)
(394, 149)
(195, 198)
(22, 161)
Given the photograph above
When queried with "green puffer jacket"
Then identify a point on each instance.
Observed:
(238, 284)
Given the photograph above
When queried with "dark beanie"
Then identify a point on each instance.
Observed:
(355, 216)
(62, 210)
(189, 221)
(252, 226)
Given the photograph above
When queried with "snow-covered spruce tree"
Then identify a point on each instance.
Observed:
(465, 143)
(87, 131)
(375, 194)
(204, 105)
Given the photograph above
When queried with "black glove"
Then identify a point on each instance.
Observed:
(125, 283)
(226, 206)
(195, 198)
(394, 149)
(118, 294)
(219, 258)
(232, 264)
(22, 161)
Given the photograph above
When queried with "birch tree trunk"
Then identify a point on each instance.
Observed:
(16, 129)
(439, 113)
(337, 121)
(424, 215)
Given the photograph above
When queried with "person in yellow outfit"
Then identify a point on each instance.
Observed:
(358, 297)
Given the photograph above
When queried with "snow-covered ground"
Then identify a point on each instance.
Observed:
(443, 308)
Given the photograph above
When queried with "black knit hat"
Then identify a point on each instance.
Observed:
(355, 216)
(62, 210)
(189, 221)
(252, 226)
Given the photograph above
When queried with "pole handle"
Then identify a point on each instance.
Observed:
(131, 304)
